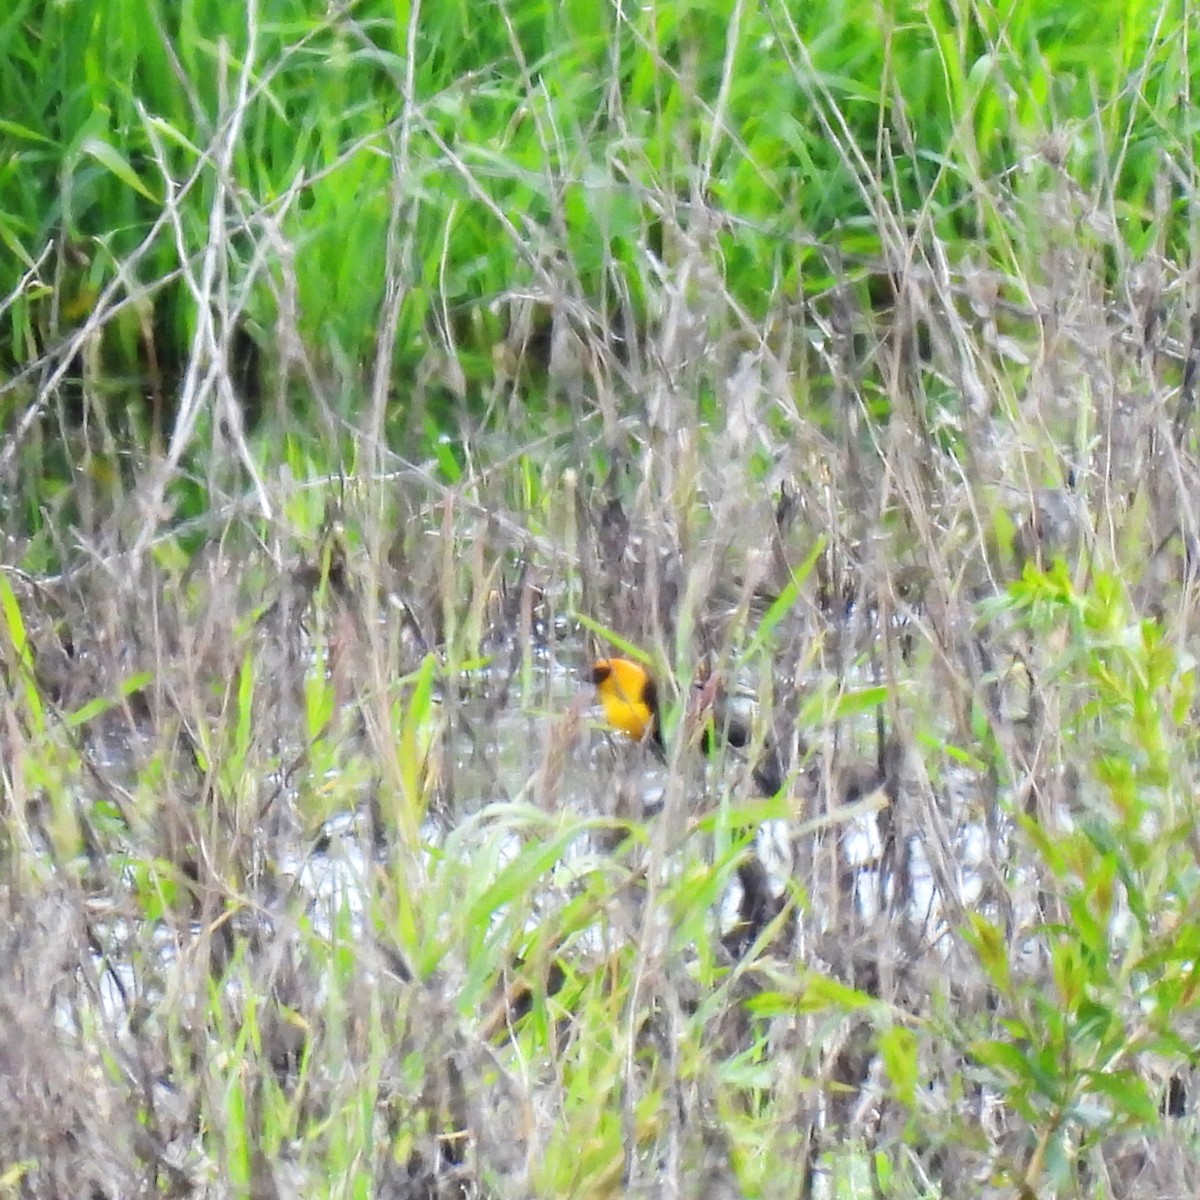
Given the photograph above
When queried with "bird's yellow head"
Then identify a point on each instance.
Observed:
(629, 697)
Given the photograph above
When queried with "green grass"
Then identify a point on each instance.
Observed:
(536, 135)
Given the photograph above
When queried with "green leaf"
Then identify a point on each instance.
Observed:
(783, 603)
(1127, 1091)
(821, 992)
(992, 950)
(615, 639)
(23, 131)
(898, 1046)
(18, 636)
(108, 156)
(1006, 1060)
(1068, 974)
(101, 704)
(860, 700)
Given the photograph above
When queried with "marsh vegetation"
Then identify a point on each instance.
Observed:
(369, 373)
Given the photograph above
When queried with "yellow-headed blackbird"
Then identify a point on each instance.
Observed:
(630, 699)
